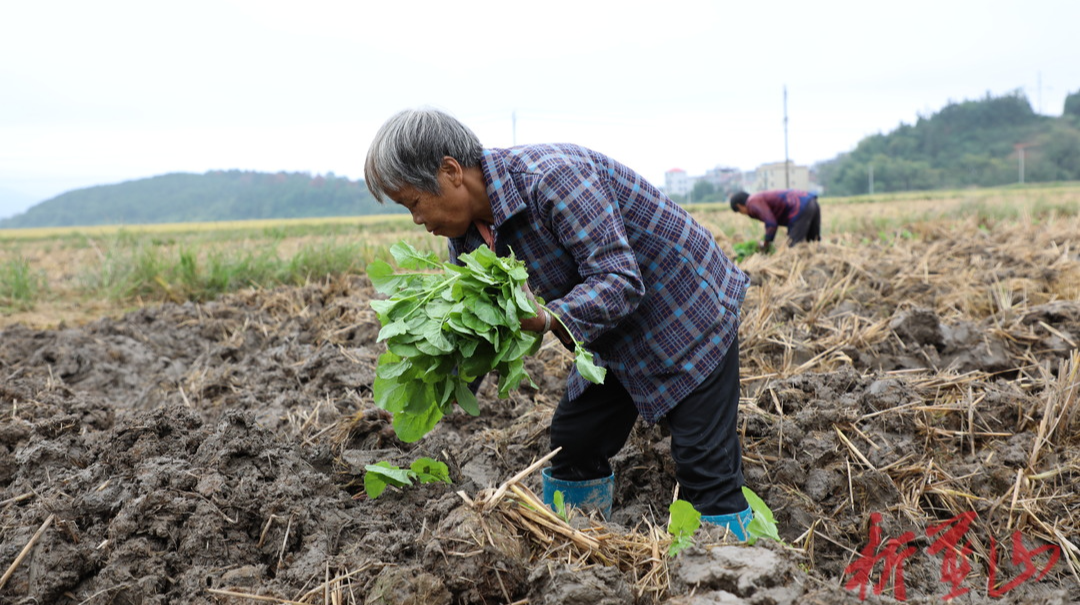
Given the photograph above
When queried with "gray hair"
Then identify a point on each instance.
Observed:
(409, 150)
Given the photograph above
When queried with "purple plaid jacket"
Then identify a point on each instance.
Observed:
(629, 272)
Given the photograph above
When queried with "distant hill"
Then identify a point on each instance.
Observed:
(13, 201)
(972, 143)
(218, 195)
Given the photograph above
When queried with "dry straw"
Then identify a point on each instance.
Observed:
(640, 553)
(821, 308)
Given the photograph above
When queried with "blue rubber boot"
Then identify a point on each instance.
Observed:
(595, 494)
(735, 522)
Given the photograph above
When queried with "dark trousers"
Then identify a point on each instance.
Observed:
(807, 227)
(704, 437)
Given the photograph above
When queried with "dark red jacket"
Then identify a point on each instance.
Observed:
(777, 207)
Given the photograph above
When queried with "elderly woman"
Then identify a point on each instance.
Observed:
(629, 273)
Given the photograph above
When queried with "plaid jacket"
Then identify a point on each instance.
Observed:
(629, 272)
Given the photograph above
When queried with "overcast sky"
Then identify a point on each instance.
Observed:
(104, 91)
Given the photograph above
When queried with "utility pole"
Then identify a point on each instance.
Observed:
(787, 163)
(871, 179)
(1020, 147)
(1040, 95)
(1021, 165)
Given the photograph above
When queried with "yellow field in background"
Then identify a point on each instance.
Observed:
(840, 214)
(66, 255)
(389, 220)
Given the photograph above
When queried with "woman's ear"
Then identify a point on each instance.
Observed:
(453, 170)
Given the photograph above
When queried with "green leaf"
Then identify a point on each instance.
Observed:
(391, 330)
(519, 274)
(484, 257)
(684, 518)
(481, 362)
(403, 349)
(409, 257)
(520, 346)
(411, 427)
(488, 313)
(391, 394)
(466, 399)
(382, 276)
(393, 369)
(511, 375)
(757, 504)
(374, 485)
(385, 307)
(682, 523)
(391, 474)
(583, 361)
(466, 347)
(472, 276)
(763, 525)
(560, 504)
(761, 528)
(421, 397)
(511, 310)
(381, 474)
(438, 309)
(433, 334)
(430, 471)
(444, 392)
(523, 303)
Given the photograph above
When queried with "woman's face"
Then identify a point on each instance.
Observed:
(448, 213)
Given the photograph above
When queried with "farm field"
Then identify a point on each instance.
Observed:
(916, 372)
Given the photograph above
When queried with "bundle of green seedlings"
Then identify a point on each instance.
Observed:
(446, 326)
(744, 250)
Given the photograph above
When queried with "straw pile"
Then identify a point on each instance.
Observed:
(941, 369)
(639, 553)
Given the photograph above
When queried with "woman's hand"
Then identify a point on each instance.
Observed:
(541, 322)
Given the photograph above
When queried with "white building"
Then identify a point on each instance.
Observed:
(724, 177)
(782, 175)
(777, 175)
(677, 182)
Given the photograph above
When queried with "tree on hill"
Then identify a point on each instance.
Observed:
(964, 144)
(218, 195)
(1072, 107)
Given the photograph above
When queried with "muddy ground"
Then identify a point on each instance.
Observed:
(213, 453)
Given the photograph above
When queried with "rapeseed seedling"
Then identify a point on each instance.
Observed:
(446, 326)
(383, 474)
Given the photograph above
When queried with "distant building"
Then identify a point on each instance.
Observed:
(677, 182)
(777, 175)
(782, 175)
(725, 178)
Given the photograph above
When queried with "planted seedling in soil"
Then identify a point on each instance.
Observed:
(383, 474)
(447, 325)
(685, 520)
(682, 524)
(763, 524)
(559, 501)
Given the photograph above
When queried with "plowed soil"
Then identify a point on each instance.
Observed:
(214, 453)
